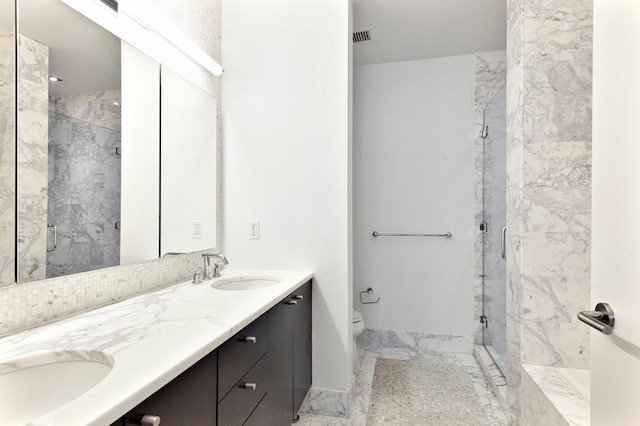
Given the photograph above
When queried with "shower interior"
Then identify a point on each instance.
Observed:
(494, 226)
(83, 192)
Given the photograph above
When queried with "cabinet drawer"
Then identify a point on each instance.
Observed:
(238, 354)
(260, 415)
(240, 402)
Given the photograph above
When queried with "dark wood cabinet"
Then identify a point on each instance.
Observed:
(247, 393)
(289, 355)
(243, 373)
(241, 352)
(259, 377)
(189, 399)
(280, 359)
(302, 350)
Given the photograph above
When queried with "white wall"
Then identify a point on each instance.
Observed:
(413, 173)
(286, 156)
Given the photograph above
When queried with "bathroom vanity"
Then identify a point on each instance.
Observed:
(259, 376)
(231, 351)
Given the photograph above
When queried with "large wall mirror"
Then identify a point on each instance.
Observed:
(89, 150)
(69, 119)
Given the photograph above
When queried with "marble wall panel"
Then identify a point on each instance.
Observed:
(556, 252)
(33, 92)
(538, 410)
(556, 396)
(7, 159)
(95, 107)
(417, 341)
(558, 55)
(327, 402)
(548, 193)
(515, 88)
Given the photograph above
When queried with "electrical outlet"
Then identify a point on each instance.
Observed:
(196, 230)
(254, 229)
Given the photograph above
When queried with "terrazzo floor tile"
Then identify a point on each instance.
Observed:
(493, 415)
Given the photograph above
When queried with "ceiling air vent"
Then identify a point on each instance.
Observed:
(363, 35)
(111, 4)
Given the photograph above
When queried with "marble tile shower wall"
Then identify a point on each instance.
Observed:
(84, 182)
(94, 107)
(7, 158)
(27, 305)
(489, 76)
(549, 49)
(33, 93)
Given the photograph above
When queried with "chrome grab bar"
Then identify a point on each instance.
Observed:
(379, 234)
(504, 243)
(55, 237)
(602, 319)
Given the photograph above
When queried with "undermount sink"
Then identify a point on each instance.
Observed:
(37, 384)
(245, 283)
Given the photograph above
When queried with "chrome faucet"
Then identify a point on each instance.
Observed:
(208, 273)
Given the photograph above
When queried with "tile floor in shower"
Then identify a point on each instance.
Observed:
(489, 403)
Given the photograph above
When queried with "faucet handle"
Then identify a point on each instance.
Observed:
(216, 270)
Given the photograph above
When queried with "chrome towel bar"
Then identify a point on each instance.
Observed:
(379, 234)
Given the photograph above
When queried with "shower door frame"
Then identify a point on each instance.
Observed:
(491, 225)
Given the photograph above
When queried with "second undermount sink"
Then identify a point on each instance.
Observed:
(245, 283)
(37, 384)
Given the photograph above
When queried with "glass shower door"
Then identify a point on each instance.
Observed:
(494, 218)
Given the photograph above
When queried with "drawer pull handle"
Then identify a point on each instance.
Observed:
(149, 420)
(291, 302)
(250, 339)
(298, 297)
(249, 385)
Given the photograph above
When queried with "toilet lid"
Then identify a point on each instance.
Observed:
(357, 316)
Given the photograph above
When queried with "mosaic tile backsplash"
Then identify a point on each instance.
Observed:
(30, 304)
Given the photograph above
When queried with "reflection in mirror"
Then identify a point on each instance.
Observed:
(68, 142)
(188, 164)
(7, 142)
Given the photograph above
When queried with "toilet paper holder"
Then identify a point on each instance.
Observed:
(368, 291)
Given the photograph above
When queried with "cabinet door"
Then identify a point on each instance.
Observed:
(189, 399)
(280, 361)
(301, 344)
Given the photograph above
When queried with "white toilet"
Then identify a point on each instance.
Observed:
(358, 328)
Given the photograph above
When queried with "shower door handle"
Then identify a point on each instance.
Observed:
(55, 237)
(504, 243)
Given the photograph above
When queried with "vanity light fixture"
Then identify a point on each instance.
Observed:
(54, 79)
(177, 39)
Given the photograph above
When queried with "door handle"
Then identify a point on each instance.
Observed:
(55, 237)
(504, 243)
(602, 319)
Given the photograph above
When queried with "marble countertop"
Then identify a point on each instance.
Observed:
(152, 338)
